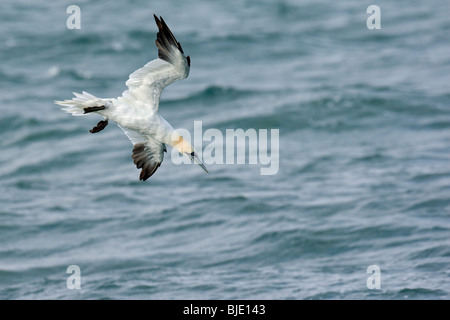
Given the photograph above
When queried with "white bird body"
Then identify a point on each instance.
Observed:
(136, 111)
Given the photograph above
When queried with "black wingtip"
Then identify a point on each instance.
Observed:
(165, 39)
(158, 23)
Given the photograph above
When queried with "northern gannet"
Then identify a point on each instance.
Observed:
(136, 111)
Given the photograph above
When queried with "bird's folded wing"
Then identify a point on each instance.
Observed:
(148, 157)
(148, 154)
(147, 83)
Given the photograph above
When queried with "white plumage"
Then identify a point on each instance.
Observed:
(136, 111)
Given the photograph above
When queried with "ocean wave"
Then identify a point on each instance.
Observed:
(434, 204)
(71, 73)
(214, 93)
(429, 177)
(418, 293)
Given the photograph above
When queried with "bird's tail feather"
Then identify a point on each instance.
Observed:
(84, 103)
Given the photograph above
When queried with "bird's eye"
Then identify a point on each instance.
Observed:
(192, 153)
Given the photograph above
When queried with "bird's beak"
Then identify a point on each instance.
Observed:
(194, 157)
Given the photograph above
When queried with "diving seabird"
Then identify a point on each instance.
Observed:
(136, 111)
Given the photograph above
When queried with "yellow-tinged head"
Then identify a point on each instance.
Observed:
(182, 145)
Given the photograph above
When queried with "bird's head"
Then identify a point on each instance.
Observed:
(184, 147)
(181, 144)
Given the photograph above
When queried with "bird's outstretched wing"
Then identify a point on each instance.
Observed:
(146, 84)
